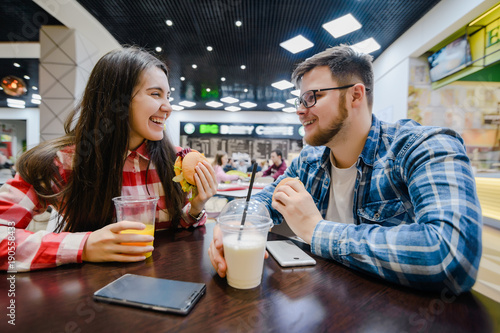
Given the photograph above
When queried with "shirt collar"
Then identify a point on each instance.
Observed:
(141, 151)
(372, 142)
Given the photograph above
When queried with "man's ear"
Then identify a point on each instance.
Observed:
(358, 95)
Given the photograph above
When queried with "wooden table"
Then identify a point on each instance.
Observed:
(327, 297)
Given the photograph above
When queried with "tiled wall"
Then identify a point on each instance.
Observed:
(66, 59)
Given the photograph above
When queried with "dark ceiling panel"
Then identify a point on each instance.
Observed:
(20, 22)
(266, 23)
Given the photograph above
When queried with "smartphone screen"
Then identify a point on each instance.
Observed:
(152, 293)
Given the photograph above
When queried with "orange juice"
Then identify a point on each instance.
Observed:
(149, 230)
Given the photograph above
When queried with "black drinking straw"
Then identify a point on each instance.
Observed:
(249, 194)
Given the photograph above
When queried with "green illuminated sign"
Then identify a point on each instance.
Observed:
(209, 129)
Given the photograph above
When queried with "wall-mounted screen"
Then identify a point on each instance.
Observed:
(450, 59)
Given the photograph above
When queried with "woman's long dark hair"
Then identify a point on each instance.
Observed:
(99, 129)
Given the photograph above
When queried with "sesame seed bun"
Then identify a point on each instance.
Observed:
(189, 163)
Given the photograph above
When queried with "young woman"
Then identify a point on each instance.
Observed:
(220, 161)
(114, 145)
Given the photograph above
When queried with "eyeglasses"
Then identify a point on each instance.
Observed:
(308, 99)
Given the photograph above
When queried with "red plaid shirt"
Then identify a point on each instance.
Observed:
(44, 249)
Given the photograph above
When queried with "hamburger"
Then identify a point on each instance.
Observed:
(284, 181)
(184, 168)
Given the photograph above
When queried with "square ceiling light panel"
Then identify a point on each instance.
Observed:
(248, 105)
(214, 104)
(367, 46)
(229, 100)
(342, 26)
(282, 85)
(187, 103)
(275, 105)
(297, 44)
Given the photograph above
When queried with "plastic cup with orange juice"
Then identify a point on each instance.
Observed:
(137, 209)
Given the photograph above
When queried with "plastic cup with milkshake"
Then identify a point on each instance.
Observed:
(244, 245)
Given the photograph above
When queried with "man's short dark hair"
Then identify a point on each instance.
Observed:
(347, 66)
(278, 152)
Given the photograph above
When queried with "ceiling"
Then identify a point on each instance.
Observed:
(201, 23)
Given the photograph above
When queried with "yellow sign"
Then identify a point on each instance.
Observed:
(492, 33)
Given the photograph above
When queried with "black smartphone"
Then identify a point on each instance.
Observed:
(152, 293)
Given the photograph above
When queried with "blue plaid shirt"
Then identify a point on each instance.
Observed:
(416, 212)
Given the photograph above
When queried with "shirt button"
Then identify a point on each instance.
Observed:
(377, 215)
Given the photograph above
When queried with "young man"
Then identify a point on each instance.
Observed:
(277, 168)
(397, 201)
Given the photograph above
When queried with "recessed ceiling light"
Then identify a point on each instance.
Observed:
(342, 26)
(15, 101)
(367, 46)
(209, 48)
(26, 77)
(238, 23)
(170, 99)
(194, 66)
(248, 105)
(283, 84)
(214, 104)
(169, 23)
(34, 88)
(158, 49)
(291, 101)
(17, 106)
(245, 90)
(243, 66)
(187, 104)
(289, 109)
(182, 78)
(223, 79)
(295, 92)
(297, 44)
(172, 88)
(16, 65)
(232, 108)
(275, 105)
(177, 107)
(1, 88)
(229, 100)
(208, 89)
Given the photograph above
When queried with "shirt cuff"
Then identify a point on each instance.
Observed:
(71, 248)
(192, 221)
(325, 240)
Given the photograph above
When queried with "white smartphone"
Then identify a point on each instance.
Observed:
(152, 293)
(287, 254)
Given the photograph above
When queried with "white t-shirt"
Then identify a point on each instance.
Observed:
(341, 193)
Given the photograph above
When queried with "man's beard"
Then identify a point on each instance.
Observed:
(322, 138)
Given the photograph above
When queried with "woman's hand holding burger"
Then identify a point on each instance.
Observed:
(194, 173)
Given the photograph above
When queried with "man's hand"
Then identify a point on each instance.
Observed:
(216, 253)
(298, 208)
(105, 244)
